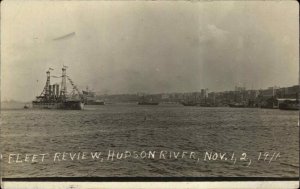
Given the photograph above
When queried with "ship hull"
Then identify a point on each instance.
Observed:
(186, 104)
(68, 105)
(147, 103)
(289, 107)
(189, 103)
(95, 103)
(269, 107)
(237, 105)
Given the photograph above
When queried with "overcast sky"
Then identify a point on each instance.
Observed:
(128, 47)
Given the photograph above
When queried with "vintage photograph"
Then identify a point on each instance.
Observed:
(149, 90)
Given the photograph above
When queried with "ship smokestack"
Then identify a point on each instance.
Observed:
(57, 90)
(47, 84)
(53, 90)
(50, 90)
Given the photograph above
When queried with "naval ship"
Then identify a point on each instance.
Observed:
(52, 97)
(90, 98)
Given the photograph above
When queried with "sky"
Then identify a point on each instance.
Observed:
(116, 47)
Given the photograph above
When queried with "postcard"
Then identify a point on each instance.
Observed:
(149, 94)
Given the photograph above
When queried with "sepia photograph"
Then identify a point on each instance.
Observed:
(149, 94)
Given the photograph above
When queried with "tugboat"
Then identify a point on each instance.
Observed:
(53, 98)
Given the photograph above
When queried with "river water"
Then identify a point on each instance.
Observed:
(163, 140)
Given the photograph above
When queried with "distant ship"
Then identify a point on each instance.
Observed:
(271, 103)
(90, 98)
(289, 105)
(206, 104)
(147, 101)
(189, 103)
(96, 102)
(237, 105)
(53, 98)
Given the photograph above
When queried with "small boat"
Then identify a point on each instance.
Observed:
(26, 106)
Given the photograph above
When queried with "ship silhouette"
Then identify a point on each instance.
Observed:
(56, 96)
(90, 98)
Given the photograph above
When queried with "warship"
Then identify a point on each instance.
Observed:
(52, 97)
(90, 98)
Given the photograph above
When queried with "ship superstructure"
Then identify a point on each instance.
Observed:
(90, 98)
(56, 96)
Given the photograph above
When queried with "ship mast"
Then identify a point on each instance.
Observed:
(63, 91)
(46, 91)
(47, 84)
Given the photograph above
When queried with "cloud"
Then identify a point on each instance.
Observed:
(212, 34)
(66, 36)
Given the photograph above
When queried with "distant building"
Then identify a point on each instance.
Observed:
(291, 92)
(267, 93)
(240, 88)
(203, 93)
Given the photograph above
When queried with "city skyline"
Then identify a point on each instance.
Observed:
(151, 47)
(206, 90)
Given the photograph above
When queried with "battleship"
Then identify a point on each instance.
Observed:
(90, 98)
(52, 97)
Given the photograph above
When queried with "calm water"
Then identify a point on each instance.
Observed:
(167, 129)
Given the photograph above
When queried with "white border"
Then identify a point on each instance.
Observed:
(156, 185)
